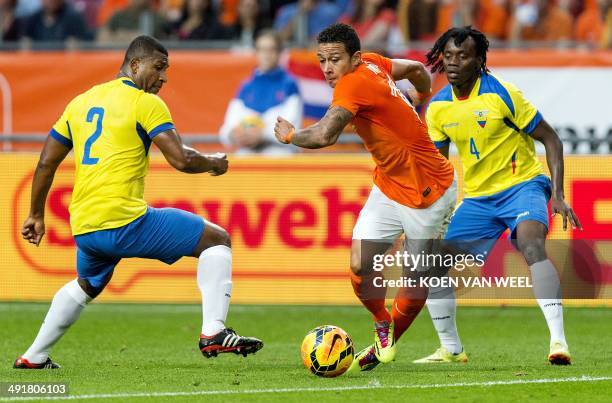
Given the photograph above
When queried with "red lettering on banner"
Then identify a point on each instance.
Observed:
(296, 215)
(252, 230)
(336, 208)
(60, 211)
(586, 263)
(212, 211)
(585, 195)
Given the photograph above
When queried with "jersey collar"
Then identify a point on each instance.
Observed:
(128, 81)
(473, 93)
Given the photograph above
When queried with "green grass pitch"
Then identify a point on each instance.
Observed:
(126, 352)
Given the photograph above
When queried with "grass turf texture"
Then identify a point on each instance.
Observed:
(153, 348)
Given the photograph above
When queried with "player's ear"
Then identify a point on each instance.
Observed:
(134, 65)
(356, 58)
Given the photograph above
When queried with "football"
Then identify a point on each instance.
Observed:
(327, 351)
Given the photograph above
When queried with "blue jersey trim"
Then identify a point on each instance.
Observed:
(61, 139)
(534, 123)
(146, 141)
(445, 94)
(440, 144)
(161, 128)
(490, 85)
(130, 84)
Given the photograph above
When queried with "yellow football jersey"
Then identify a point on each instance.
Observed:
(491, 130)
(110, 127)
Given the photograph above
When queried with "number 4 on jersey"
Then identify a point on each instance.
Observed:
(473, 149)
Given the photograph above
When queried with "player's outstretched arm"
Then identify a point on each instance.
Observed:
(52, 155)
(554, 159)
(186, 159)
(324, 133)
(417, 74)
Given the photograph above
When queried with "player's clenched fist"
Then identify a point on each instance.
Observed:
(283, 130)
(219, 164)
(33, 230)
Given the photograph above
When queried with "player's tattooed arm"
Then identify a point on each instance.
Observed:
(51, 157)
(324, 133)
(187, 159)
(554, 159)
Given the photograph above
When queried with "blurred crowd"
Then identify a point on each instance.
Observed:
(380, 23)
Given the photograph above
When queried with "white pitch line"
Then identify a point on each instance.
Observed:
(583, 378)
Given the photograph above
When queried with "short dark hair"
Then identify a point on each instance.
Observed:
(341, 33)
(143, 46)
(459, 35)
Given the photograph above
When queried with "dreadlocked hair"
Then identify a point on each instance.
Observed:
(459, 35)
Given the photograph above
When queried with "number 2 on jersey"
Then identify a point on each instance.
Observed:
(473, 149)
(87, 159)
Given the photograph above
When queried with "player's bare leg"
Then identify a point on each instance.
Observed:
(531, 236)
(215, 282)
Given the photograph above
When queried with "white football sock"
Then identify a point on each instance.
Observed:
(442, 308)
(547, 291)
(65, 309)
(215, 282)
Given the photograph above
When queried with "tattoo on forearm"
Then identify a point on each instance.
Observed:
(326, 131)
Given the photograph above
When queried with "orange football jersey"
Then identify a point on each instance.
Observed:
(409, 168)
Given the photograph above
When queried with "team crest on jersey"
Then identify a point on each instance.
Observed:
(481, 117)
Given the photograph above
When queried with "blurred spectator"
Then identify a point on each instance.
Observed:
(524, 20)
(305, 19)
(556, 23)
(199, 21)
(12, 26)
(455, 13)
(372, 21)
(417, 19)
(229, 11)
(251, 20)
(26, 8)
(589, 26)
(270, 92)
(606, 42)
(89, 10)
(138, 18)
(108, 8)
(56, 21)
(493, 18)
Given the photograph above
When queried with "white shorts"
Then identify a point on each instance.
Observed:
(384, 219)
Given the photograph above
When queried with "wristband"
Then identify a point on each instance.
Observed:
(289, 137)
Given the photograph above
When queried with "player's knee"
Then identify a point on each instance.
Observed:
(219, 236)
(533, 251)
(224, 239)
(356, 266)
(89, 289)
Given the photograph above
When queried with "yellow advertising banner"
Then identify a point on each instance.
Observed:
(290, 220)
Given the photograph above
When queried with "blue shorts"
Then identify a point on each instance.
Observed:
(482, 220)
(165, 234)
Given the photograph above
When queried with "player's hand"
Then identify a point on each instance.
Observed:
(219, 164)
(418, 98)
(559, 206)
(33, 230)
(283, 130)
